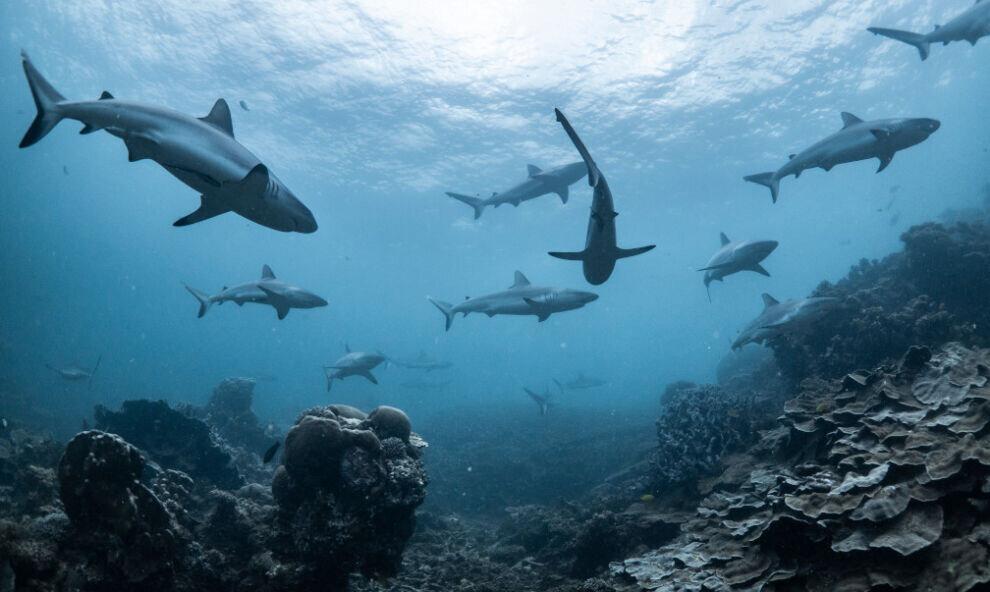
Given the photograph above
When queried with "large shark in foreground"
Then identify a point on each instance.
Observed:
(780, 318)
(522, 298)
(857, 140)
(556, 180)
(734, 257)
(600, 249)
(200, 152)
(968, 26)
(353, 364)
(267, 290)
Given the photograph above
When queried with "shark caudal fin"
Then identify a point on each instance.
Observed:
(919, 41)
(446, 309)
(204, 300)
(767, 180)
(46, 99)
(623, 253)
(476, 203)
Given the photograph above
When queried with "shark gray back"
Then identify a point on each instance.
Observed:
(781, 318)
(267, 290)
(538, 183)
(971, 25)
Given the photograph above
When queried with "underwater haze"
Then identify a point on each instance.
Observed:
(370, 111)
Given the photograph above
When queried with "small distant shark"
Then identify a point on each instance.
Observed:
(780, 318)
(75, 373)
(734, 257)
(267, 290)
(423, 362)
(857, 140)
(538, 183)
(200, 152)
(522, 298)
(600, 249)
(353, 364)
(970, 26)
(543, 401)
(582, 382)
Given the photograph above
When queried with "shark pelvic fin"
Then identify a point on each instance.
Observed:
(219, 117)
(209, 208)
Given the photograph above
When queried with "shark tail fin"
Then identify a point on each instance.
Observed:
(204, 300)
(46, 99)
(767, 180)
(446, 309)
(623, 253)
(919, 41)
(476, 203)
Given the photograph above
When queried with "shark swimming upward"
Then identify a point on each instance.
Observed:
(857, 140)
(267, 290)
(522, 298)
(538, 183)
(782, 318)
(200, 152)
(971, 25)
(600, 248)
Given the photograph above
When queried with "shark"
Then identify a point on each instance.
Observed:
(971, 25)
(738, 256)
(538, 183)
(857, 140)
(199, 151)
(582, 382)
(542, 401)
(75, 373)
(423, 362)
(353, 364)
(267, 290)
(780, 318)
(600, 248)
(521, 298)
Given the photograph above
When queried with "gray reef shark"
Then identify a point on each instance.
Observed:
(353, 364)
(734, 257)
(200, 152)
(857, 140)
(542, 401)
(423, 362)
(582, 382)
(538, 183)
(267, 290)
(968, 26)
(75, 373)
(779, 318)
(600, 250)
(522, 298)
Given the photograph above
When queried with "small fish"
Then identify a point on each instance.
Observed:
(647, 497)
(270, 453)
(244, 106)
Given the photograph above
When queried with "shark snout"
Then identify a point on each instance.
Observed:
(586, 297)
(932, 125)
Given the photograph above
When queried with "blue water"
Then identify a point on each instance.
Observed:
(370, 111)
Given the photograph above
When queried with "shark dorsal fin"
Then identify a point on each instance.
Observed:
(725, 239)
(533, 170)
(105, 96)
(219, 117)
(520, 281)
(769, 301)
(267, 273)
(849, 119)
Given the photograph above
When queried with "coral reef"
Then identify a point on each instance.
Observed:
(932, 292)
(229, 413)
(876, 481)
(172, 439)
(347, 492)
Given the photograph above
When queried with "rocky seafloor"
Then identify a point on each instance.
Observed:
(854, 456)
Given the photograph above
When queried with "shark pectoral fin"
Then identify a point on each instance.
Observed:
(564, 194)
(139, 148)
(885, 161)
(278, 301)
(369, 376)
(569, 256)
(711, 267)
(209, 208)
(880, 134)
(759, 269)
(539, 310)
(623, 253)
(253, 184)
